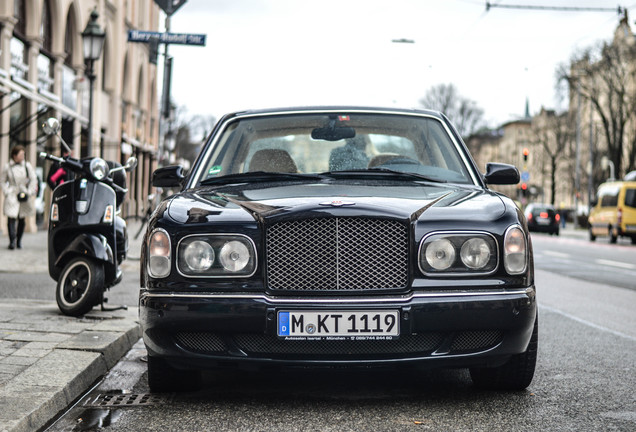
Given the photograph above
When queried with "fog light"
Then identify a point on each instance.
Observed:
(440, 254)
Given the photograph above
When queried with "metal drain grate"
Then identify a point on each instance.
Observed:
(127, 400)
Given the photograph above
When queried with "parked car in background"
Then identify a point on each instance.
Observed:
(543, 218)
(614, 212)
(338, 237)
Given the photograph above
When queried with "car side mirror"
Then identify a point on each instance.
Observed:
(168, 177)
(501, 174)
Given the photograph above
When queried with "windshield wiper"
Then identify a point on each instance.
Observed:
(393, 173)
(256, 176)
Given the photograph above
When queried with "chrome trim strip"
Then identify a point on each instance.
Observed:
(404, 299)
(469, 273)
(224, 275)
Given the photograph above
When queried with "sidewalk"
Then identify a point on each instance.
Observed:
(47, 360)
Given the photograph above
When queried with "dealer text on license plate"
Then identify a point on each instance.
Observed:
(342, 324)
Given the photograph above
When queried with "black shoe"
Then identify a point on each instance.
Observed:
(19, 245)
(11, 246)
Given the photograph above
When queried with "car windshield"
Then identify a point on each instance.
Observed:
(339, 144)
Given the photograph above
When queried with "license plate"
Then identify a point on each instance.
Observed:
(542, 221)
(357, 325)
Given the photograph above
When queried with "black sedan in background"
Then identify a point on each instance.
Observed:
(337, 236)
(543, 218)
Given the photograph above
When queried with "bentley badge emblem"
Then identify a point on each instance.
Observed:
(337, 203)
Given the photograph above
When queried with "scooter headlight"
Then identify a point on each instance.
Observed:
(99, 168)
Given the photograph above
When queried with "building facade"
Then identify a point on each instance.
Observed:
(42, 74)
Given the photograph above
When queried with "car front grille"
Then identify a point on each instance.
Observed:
(337, 254)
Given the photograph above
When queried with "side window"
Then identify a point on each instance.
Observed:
(609, 197)
(630, 198)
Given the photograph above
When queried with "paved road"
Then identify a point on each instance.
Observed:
(577, 257)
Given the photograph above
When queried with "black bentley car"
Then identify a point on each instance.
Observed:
(337, 236)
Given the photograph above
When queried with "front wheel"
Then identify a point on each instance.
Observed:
(80, 286)
(613, 235)
(515, 374)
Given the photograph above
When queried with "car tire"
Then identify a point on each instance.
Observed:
(80, 286)
(613, 237)
(163, 378)
(592, 236)
(515, 374)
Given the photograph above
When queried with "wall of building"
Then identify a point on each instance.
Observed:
(42, 74)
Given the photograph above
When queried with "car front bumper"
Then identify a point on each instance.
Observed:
(459, 329)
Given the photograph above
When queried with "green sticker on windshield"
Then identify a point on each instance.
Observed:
(214, 170)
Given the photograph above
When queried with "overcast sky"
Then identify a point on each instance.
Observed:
(274, 53)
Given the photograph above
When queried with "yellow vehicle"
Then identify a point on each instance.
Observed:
(614, 213)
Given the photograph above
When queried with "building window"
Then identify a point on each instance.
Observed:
(69, 78)
(18, 47)
(45, 59)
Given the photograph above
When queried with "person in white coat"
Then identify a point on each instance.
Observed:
(19, 184)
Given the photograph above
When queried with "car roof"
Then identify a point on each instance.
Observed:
(337, 108)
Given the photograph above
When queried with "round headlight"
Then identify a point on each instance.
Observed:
(475, 253)
(198, 256)
(234, 256)
(440, 254)
(99, 168)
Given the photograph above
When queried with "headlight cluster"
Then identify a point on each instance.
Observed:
(460, 252)
(216, 255)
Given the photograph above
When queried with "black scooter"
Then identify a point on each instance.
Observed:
(87, 240)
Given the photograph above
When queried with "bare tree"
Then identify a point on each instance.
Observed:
(465, 114)
(553, 133)
(604, 75)
(190, 132)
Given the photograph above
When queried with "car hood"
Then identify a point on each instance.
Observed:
(262, 202)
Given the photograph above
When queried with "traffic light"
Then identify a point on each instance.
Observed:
(525, 154)
(524, 189)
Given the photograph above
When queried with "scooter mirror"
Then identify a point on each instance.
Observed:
(51, 126)
(131, 163)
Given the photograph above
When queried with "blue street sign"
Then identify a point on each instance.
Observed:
(167, 38)
(525, 176)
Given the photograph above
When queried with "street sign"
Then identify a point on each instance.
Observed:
(525, 176)
(170, 6)
(167, 38)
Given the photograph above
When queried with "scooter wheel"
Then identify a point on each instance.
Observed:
(80, 286)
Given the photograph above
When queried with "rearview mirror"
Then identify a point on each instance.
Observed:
(333, 133)
(51, 126)
(131, 164)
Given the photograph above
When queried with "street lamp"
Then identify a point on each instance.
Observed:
(93, 38)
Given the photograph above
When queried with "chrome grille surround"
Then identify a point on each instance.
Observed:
(337, 254)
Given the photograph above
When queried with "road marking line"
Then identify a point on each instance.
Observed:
(557, 254)
(587, 323)
(615, 264)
